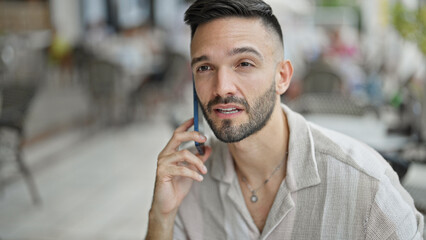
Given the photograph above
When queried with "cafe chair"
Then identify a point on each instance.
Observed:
(15, 100)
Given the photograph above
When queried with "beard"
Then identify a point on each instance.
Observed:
(258, 116)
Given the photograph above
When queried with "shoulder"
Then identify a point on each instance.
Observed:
(392, 214)
(390, 209)
(334, 147)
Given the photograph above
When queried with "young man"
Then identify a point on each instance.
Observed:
(269, 174)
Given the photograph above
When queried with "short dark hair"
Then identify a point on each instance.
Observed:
(202, 11)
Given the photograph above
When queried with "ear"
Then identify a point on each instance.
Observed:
(283, 76)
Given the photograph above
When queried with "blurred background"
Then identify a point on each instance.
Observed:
(91, 90)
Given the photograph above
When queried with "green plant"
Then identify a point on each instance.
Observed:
(411, 24)
(335, 3)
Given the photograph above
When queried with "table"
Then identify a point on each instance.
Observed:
(367, 128)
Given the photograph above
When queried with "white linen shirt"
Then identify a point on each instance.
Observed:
(335, 188)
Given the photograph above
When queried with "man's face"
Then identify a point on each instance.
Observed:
(234, 66)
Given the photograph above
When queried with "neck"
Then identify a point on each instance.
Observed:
(258, 155)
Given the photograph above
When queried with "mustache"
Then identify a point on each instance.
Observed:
(229, 99)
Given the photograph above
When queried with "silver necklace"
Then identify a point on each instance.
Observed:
(253, 191)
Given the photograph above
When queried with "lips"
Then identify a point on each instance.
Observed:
(227, 109)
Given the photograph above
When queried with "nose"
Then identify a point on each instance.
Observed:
(224, 84)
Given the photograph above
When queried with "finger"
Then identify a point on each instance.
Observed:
(179, 171)
(185, 126)
(189, 158)
(203, 158)
(179, 137)
(182, 128)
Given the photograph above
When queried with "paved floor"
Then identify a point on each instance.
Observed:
(92, 187)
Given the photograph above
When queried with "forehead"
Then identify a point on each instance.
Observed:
(226, 33)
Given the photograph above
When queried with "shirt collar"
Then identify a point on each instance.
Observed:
(302, 170)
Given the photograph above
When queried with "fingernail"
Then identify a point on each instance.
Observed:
(202, 137)
(204, 168)
(201, 177)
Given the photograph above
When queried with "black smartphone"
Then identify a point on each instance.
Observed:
(198, 120)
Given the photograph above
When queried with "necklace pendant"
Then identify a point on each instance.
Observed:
(253, 198)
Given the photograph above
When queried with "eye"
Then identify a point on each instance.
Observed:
(245, 64)
(203, 68)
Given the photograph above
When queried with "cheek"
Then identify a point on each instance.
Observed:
(251, 81)
(203, 92)
(258, 84)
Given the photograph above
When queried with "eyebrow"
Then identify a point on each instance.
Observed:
(199, 59)
(240, 50)
(233, 52)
